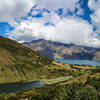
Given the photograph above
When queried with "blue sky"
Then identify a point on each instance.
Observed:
(65, 21)
(87, 11)
(5, 26)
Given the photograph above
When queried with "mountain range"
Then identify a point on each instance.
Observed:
(63, 51)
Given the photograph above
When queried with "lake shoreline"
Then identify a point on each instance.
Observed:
(79, 62)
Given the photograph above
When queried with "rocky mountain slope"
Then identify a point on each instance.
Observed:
(63, 51)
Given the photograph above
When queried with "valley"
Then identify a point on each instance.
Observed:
(21, 64)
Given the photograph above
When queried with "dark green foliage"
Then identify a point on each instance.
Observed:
(75, 91)
(94, 82)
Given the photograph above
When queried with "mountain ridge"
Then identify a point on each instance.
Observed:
(63, 51)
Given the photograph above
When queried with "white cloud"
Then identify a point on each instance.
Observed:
(67, 30)
(95, 5)
(56, 4)
(14, 9)
(80, 10)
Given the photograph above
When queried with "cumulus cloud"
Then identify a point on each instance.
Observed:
(95, 6)
(56, 4)
(52, 6)
(14, 9)
(67, 30)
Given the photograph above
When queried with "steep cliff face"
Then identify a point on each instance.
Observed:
(63, 51)
(96, 55)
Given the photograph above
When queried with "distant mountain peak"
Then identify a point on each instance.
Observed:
(53, 49)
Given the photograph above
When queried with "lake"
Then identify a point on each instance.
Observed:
(14, 87)
(79, 62)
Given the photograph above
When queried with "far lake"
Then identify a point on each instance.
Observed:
(79, 62)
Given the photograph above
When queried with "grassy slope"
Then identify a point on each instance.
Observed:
(20, 63)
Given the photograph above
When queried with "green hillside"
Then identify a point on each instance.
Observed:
(20, 63)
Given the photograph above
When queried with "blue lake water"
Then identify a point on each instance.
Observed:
(14, 87)
(79, 62)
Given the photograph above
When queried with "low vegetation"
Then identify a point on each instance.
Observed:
(88, 90)
(63, 81)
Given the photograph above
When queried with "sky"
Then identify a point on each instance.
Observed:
(65, 21)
